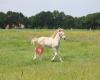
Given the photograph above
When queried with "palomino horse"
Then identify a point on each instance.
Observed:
(53, 42)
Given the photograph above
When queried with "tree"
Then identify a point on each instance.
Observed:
(42, 20)
(17, 19)
(69, 22)
(92, 21)
(3, 19)
(50, 20)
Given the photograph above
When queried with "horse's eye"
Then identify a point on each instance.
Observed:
(59, 30)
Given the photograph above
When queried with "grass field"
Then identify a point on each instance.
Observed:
(80, 52)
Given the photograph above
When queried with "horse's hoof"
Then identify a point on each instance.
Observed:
(34, 59)
(62, 61)
(52, 60)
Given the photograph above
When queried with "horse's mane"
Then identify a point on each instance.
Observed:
(54, 34)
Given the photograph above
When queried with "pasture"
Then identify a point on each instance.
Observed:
(80, 52)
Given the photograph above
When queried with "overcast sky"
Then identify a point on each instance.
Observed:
(69, 7)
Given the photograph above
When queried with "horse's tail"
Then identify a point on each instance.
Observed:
(34, 41)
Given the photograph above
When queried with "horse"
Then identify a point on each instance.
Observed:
(52, 42)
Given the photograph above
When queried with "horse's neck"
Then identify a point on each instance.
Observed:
(57, 37)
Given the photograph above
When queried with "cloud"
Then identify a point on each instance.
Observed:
(31, 7)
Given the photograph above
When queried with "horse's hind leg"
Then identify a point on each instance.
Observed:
(34, 55)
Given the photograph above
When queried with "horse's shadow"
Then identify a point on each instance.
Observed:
(66, 58)
(69, 58)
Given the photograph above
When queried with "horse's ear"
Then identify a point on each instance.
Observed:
(59, 28)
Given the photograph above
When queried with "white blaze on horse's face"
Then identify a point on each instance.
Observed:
(61, 33)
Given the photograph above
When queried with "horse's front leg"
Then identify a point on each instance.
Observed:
(59, 56)
(56, 54)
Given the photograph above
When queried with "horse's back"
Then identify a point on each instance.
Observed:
(46, 41)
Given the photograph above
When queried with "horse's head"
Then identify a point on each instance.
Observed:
(61, 33)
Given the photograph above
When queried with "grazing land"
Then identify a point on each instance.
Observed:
(80, 52)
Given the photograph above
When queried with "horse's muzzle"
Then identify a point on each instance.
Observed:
(64, 37)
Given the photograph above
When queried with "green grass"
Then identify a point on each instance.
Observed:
(80, 52)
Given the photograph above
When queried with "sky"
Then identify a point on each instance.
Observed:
(76, 8)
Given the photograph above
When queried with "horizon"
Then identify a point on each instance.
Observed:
(51, 11)
(30, 8)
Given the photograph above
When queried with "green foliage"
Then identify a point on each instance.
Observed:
(92, 20)
(50, 20)
(12, 18)
(3, 19)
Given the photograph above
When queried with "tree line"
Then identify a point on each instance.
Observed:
(50, 20)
